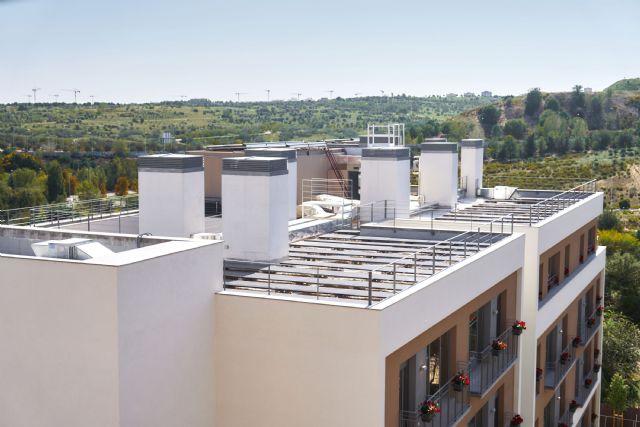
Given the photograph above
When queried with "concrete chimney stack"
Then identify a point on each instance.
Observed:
(384, 175)
(292, 169)
(471, 165)
(439, 173)
(171, 195)
(255, 208)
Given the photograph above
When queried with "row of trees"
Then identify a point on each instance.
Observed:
(26, 181)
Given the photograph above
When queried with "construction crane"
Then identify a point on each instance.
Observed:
(330, 92)
(29, 97)
(55, 96)
(268, 94)
(34, 90)
(298, 94)
(75, 94)
(237, 94)
(92, 97)
(358, 94)
(183, 97)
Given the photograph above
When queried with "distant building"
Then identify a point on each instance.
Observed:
(452, 95)
(588, 90)
(486, 94)
(469, 94)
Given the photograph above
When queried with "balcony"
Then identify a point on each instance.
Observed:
(566, 420)
(556, 370)
(554, 284)
(486, 367)
(589, 327)
(588, 384)
(453, 404)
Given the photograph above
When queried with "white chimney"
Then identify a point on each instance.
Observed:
(439, 173)
(471, 165)
(384, 176)
(255, 208)
(292, 168)
(171, 195)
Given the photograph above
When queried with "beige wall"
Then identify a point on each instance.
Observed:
(286, 363)
(59, 341)
(213, 169)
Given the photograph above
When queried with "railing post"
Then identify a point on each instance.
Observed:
(370, 284)
(433, 259)
(269, 279)
(450, 253)
(394, 278)
(415, 267)
(385, 208)
(318, 285)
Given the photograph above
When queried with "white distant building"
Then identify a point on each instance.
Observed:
(486, 94)
(353, 317)
(588, 90)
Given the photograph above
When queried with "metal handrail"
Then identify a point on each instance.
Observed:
(560, 369)
(561, 201)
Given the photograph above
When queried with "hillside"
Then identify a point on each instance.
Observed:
(109, 127)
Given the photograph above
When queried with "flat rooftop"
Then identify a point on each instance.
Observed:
(361, 267)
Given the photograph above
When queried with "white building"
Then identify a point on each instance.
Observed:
(350, 320)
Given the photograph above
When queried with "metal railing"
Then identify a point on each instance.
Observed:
(531, 182)
(556, 370)
(439, 257)
(584, 390)
(453, 405)
(548, 207)
(70, 212)
(486, 366)
(555, 288)
(618, 421)
(590, 330)
(566, 418)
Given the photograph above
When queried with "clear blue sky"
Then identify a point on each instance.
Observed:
(150, 50)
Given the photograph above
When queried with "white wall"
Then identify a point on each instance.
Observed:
(439, 177)
(171, 203)
(471, 167)
(58, 341)
(285, 363)
(385, 179)
(166, 338)
(292, 172)
(255, 212)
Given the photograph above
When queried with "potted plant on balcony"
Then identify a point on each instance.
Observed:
(497, 347)
(594, 417)
(565, 357)
(539, 373)
(516, 420)
(598, 299)
(590, 322)
(428, 410)
(566, 271)
(518, 326)
(562, 425)
(600, 310)
(577, 341)
(596, 368)
(573, 406)
(581, 259)
(460, 380)
(596, 353)
(587, 382)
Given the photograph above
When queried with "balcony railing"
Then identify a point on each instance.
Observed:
(486, 366)
(566, 419)
(591, 325)
(556, 370)
(588, 383)
(453, 404)
(554, 284)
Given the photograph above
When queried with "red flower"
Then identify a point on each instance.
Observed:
(516, 420)
(429, 407)
(520, 324)
(499, 345)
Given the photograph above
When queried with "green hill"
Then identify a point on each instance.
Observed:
(625, 84)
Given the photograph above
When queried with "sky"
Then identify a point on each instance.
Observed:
(153, 50)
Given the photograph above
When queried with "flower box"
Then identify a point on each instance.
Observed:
(428, 410)
(596, 368)
(460, 381)
(516, 420)
(518, 326)
(588, 382)
(600, 310)
(576, 341)
(573, 406)
(590, 322)
(498, 346)
(539, 373)
(565, 357)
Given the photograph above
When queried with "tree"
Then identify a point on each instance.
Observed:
(508, 149)
(122, 186)
(529, 148)
(87, 191)
(618, 394)
(517, 128)
(55, 181)
(578, 102)
(552, 104)
(488, 117)
(595, 115)
(609, 220)
(533, 103)
(15, 160)
(23, 178)
(618, 242)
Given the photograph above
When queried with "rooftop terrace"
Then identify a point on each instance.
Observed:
(361, 267)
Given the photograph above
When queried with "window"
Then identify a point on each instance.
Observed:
(438, 370)
(567, 257)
